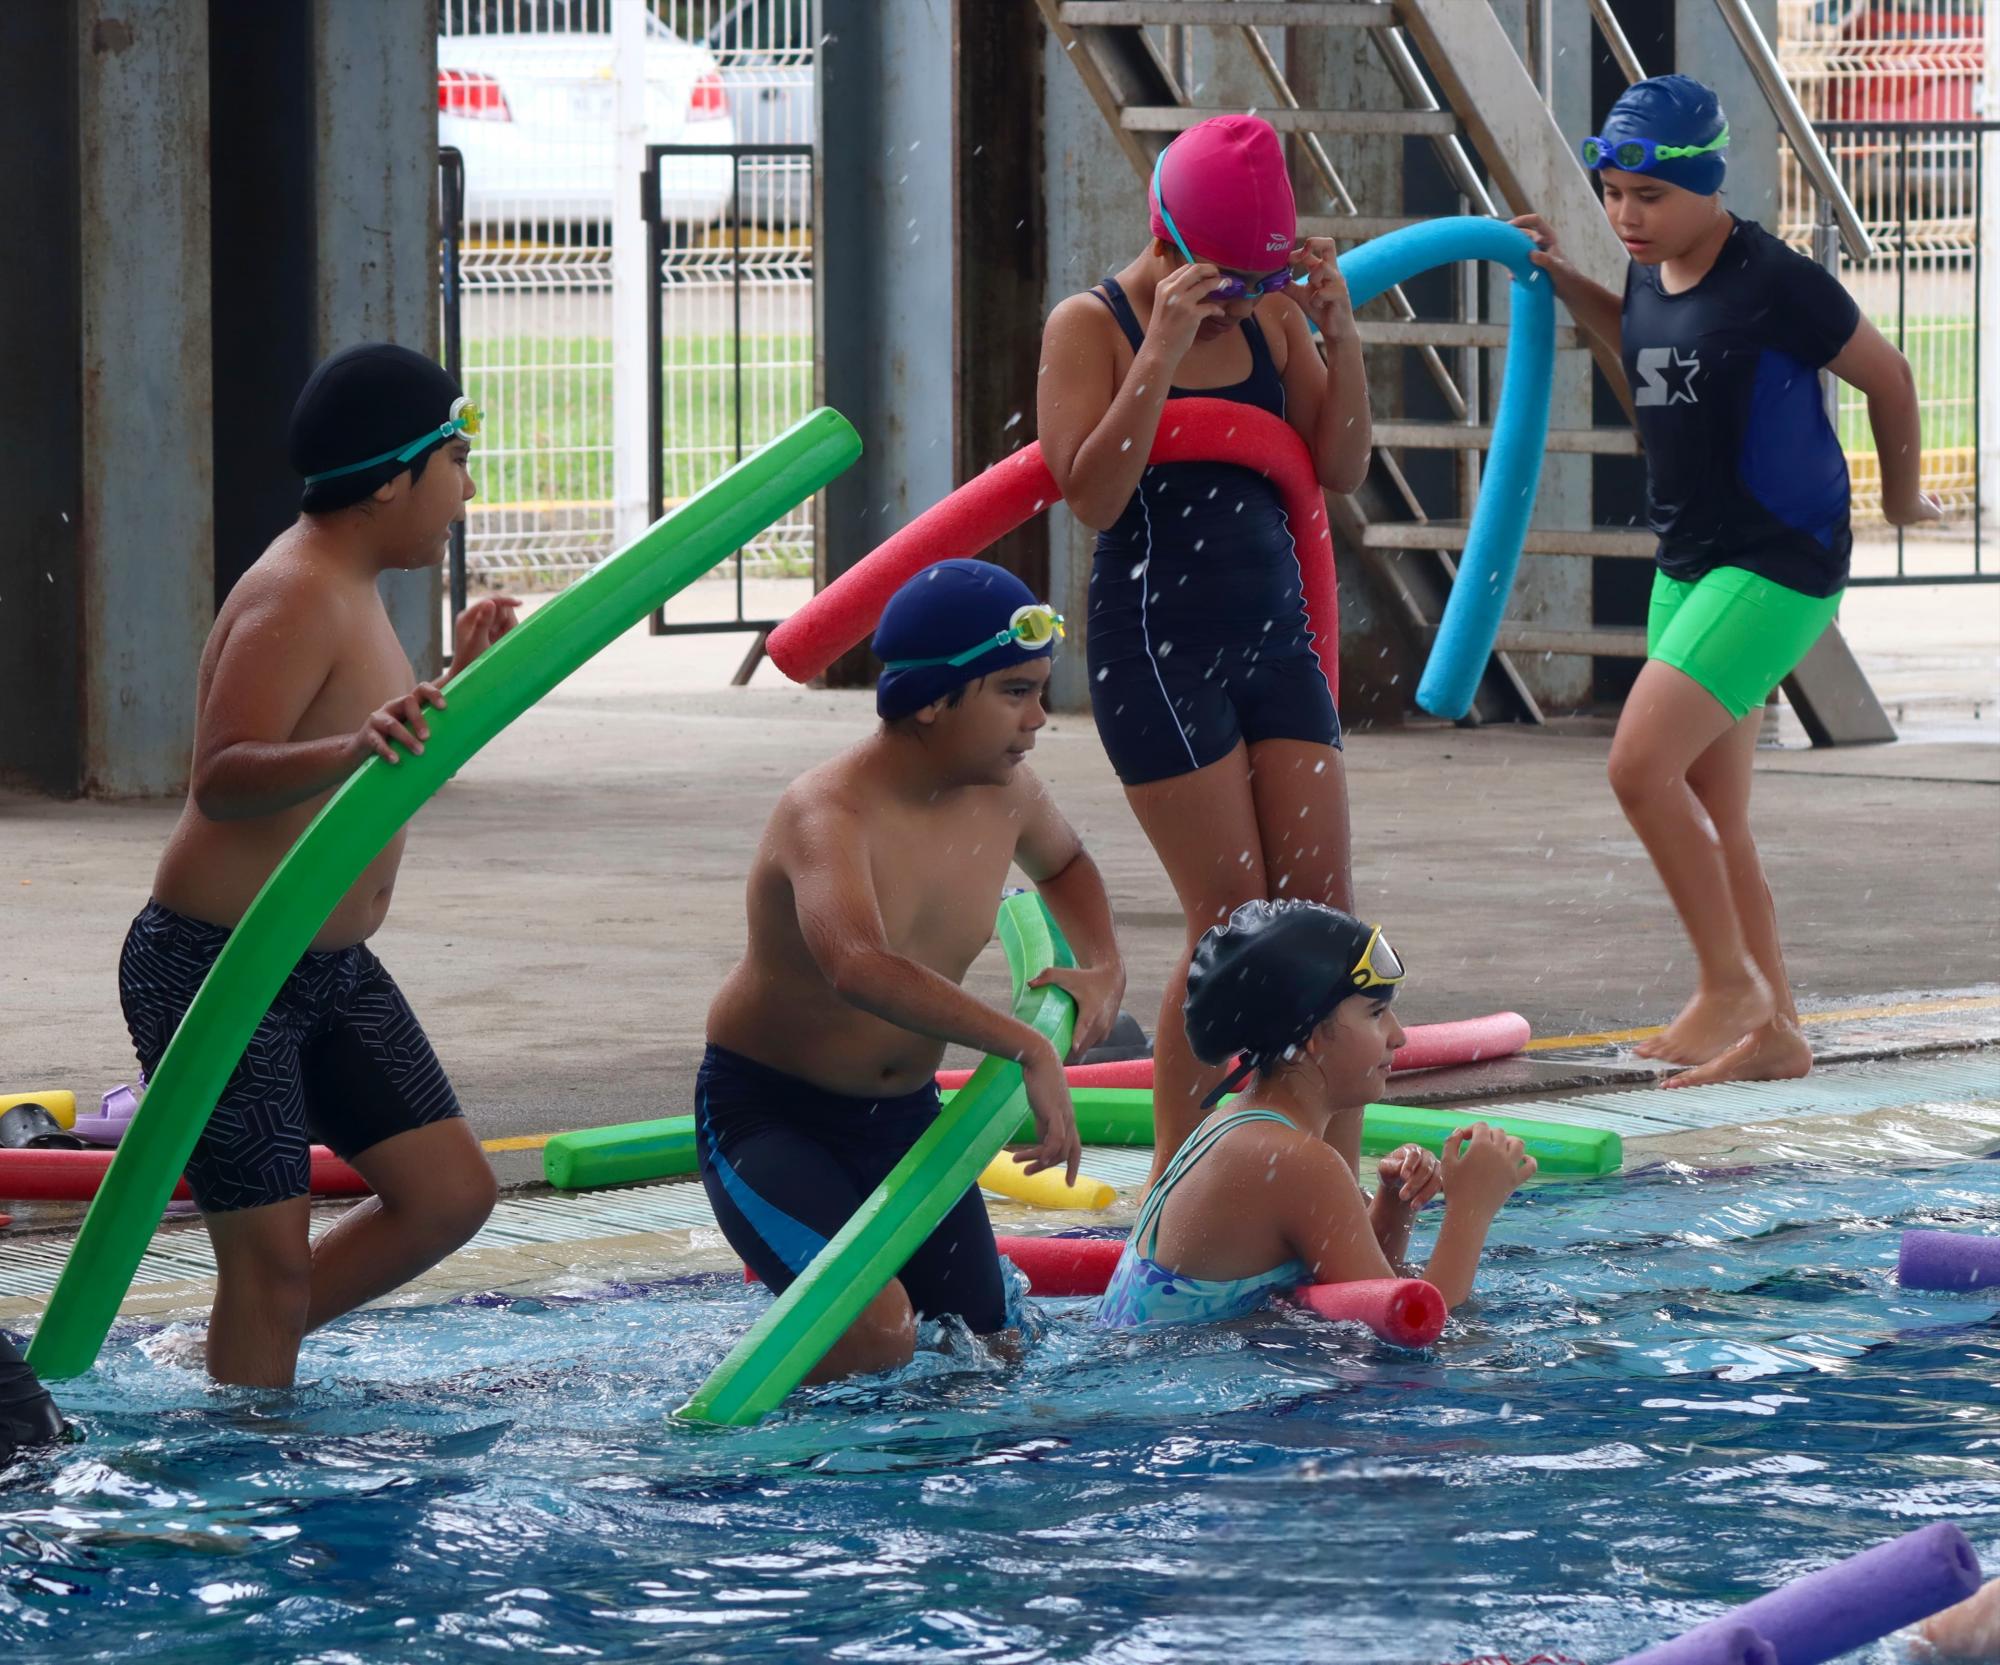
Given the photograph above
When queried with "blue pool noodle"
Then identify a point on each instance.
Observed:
(1492, 554)
(1948, 1260)
(1842, 1607)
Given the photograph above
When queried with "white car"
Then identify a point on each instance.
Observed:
(533, 113)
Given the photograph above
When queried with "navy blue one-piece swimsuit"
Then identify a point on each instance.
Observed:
(1197, 632)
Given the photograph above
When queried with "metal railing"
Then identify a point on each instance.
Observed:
(451, 235)
(1836, 206)
(756, 414)
(1928, 166)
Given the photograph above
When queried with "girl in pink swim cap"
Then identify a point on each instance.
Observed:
(1210, 701)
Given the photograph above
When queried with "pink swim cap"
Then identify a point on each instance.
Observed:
(1229, 193)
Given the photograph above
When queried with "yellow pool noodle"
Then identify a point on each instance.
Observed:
(59, 1104)
(1047, 1189)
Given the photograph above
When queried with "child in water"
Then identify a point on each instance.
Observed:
(1212, 706)
(1723, 330)
(303, 680)
(872, 893)
(1266, 1195)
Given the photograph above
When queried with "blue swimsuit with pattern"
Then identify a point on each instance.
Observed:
(1197, 626)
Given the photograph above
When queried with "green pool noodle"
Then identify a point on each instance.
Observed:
(633, 1152)
(1113, 1116)
(801, 1324)
(628, 1154)
(359, 819)
(1557, 1147)
(1124, 1116)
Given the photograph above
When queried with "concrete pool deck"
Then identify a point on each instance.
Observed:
(567, 905)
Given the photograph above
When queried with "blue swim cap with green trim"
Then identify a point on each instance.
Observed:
(943, 612)
(1673, 110)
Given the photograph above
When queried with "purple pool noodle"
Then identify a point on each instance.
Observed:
(1849, 1604)
(1948, 1260)
(120, 1105)
(1725, 1642)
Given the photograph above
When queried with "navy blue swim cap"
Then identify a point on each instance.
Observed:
(1673, 110)
(955, 609)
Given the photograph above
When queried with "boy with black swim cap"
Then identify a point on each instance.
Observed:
(302, 681)
(1265, 1195)
(872, 892)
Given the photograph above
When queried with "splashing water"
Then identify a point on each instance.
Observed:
(1677, 1389)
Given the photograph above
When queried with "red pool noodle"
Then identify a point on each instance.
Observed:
(1059, 1266)
(74, 1175)
(1406, 1311)
(984, 510)
(1430, 1045)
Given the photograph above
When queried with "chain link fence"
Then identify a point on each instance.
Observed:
(1916, 72)
(527, 96)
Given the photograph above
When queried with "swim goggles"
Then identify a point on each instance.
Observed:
(1379, 966)
(1035, 625)
(465, 418)
(1234, 285)
(1642, 155)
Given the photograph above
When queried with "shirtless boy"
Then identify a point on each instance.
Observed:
(873, 891)
(302, 681)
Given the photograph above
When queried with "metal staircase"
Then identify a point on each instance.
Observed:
(1490, 102)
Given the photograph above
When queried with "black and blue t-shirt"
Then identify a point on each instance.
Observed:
(1743, 468)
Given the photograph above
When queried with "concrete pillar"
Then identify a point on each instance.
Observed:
(1555, 590)
(1705, 49)
(884, 322)
(1000, 253)
(41, 416)
(1096, 218)
(1988, 300)
(145, 544)
(374, 90)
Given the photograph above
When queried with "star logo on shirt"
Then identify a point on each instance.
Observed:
(1666, 377)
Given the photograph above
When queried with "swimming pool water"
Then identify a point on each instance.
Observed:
(1679, 1389)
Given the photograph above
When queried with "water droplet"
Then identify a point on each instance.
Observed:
(1125, 444)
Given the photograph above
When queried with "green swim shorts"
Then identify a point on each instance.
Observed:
(1737, 633)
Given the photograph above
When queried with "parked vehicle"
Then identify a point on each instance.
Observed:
(765, 48)
(533, 110)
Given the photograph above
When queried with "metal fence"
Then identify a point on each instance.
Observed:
(1895, 89)
(759, 384)
(527, 94)
(1922, 189)
(451, 330)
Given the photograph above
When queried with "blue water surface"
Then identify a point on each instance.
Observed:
(1677, 1390)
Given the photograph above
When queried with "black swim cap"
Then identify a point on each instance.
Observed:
(28, 1415)
(360, 403)
(1266, 980)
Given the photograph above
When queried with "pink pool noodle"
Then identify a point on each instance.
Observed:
(1948, 1260)
(985, 509)
(1847, 1605)
(1429, 1046)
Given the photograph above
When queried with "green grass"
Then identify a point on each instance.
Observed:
(1940, 351)
(549, 401)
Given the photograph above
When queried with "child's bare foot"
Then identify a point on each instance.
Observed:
(1967, 1633)
(1777, 1052)
(1713, 1021)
